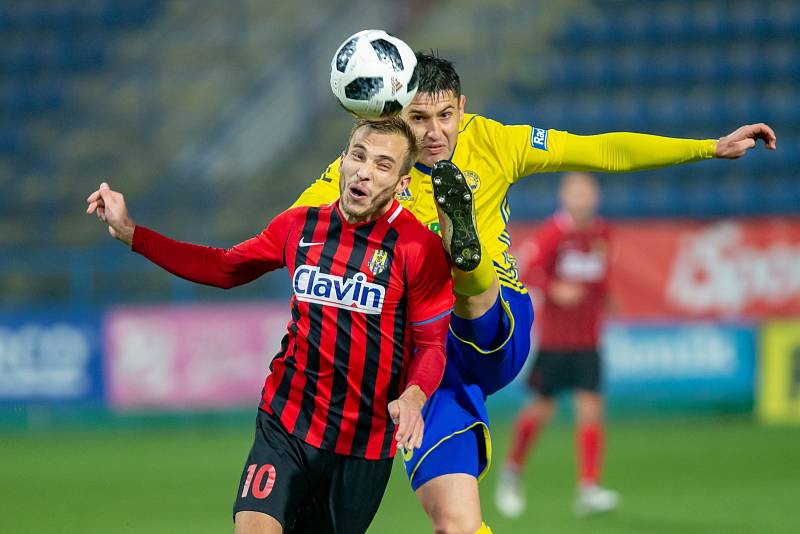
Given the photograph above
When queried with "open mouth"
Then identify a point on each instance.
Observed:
(357, 191)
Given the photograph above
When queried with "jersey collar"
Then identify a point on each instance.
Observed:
(391, 214)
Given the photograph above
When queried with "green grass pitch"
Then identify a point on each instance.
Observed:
(676, 476)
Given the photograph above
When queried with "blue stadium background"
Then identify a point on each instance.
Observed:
(211, 119)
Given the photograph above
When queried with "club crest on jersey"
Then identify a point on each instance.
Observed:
(473, 180)
(354, 294)
(405, 194)
(539, 138)
(377, 263)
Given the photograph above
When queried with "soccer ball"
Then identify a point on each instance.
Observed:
(374, 74)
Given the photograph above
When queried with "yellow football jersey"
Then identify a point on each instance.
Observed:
(493, 156)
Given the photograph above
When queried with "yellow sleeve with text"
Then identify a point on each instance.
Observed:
(324, 190)
(529, 150)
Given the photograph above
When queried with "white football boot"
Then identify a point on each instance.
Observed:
(509, 494)
(592, 499)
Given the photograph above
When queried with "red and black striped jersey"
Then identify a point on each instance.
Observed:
(571, 254)
(358, 289)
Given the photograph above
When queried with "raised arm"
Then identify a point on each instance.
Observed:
(218, 267)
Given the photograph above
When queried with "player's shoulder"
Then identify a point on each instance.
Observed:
(331, 172)
(296, 214)
(412, 230)
(474, 124)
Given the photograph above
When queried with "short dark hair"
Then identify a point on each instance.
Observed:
(389, 126)
(436, 75)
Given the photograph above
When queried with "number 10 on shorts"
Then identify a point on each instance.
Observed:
(261, 489)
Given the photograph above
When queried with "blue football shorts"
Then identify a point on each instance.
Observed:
(457, 438)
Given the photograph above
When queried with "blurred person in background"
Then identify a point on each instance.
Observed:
(571, 269)
(459, 188)
(370, 311)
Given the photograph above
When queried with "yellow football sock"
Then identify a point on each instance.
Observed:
(484, 529)
(476, 281)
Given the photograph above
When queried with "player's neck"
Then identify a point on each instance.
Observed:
(351, 218)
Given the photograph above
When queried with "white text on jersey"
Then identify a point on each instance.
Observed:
(355, 294)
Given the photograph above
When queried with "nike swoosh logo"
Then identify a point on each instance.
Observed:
(304, 243)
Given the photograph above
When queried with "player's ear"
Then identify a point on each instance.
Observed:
(402, 184)
(462, 102)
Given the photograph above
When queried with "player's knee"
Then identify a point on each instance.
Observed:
(460, 522)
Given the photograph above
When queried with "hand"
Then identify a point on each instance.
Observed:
(406, 412)
(110, 208)
(566, 294)
(735, 144)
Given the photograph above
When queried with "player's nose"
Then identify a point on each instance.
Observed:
(364, 172)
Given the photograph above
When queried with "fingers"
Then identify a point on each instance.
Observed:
(95, 204)
(96, 199)
(767, 134)
(416, 440)
(394, 411)
(403, 428)
(411, 439)
(410, 425)
(93, 197)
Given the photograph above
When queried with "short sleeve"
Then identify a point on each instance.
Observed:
(430, 284)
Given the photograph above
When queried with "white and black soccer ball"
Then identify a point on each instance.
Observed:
(374, 74)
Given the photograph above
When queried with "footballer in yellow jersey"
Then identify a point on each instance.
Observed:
(490, 328)
(493, 156)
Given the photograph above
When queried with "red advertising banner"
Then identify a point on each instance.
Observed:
(742, 268)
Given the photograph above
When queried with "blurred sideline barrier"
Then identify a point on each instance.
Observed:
(779, 384)
(681, 365)
(666, 368)
(205, 358)
(190, 357)
(50, 357)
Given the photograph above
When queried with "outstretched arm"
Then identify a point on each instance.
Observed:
(623, 151)
(218, 267)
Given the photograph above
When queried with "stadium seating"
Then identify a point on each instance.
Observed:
(692, 70)
(158, 97)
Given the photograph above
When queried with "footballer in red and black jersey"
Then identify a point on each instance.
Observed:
(571, 254)
(358, 290)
